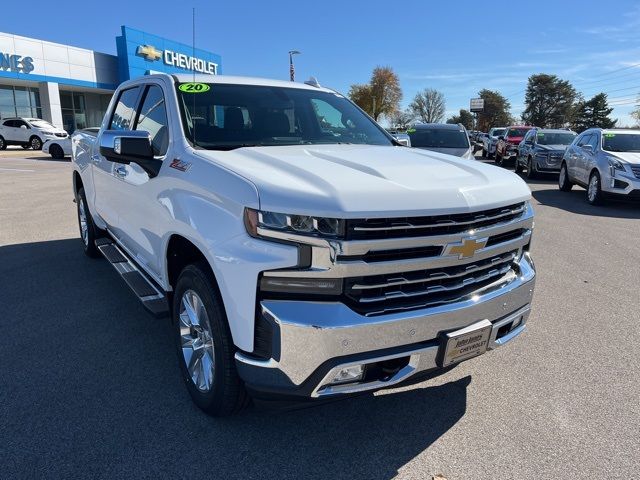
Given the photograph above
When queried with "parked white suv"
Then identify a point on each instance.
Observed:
(298, 250)
(605, 162)
(28, 132)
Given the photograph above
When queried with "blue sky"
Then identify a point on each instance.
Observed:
(456, 47)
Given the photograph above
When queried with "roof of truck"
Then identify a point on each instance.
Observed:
(229, 79)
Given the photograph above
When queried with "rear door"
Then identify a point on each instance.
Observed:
(105, 172)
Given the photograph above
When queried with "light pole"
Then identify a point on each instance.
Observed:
(292, 72)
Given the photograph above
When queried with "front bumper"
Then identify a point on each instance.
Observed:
(314, 339)
(622, 185)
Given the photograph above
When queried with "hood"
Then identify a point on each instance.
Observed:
(457, 152)
(351, 181)
(551, 148)
(630, 157)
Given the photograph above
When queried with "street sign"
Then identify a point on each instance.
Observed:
(477, 105)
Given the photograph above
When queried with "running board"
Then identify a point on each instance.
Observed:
(152, 297)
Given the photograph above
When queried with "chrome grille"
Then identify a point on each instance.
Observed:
(376, 228)
(62, 135)
(384, 293)
(636, 170)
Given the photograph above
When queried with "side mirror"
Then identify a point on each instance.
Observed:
(24, 126)
(126, 147)
(588, 148)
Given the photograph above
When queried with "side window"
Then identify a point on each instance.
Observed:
(530, 136)
(8, 123)
(152, 118)
(584, 140)
(593, 141)
(123, 113)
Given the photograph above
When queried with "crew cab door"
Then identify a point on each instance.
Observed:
(138, 191)
(105, 172)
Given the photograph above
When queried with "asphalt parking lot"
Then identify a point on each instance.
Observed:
(90, 387)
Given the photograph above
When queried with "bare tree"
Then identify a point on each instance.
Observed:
(428, 106)
(401, 119)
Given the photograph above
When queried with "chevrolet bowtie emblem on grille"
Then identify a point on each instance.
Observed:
(467, 248)
(149, 52)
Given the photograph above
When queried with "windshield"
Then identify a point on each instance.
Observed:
(498, 132)
(41, 124)
(621, 142)
(225, 116)
(517, 132)
(438, 138)
(555, 138)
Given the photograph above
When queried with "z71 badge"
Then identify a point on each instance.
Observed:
(180, 165)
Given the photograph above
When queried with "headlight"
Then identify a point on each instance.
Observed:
(298, 224)
(615, 164)
(49, 133)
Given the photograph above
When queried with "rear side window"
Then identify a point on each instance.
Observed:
(152, 118)
(9, 123)
(123, 113)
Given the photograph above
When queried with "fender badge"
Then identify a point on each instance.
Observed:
(180, 165)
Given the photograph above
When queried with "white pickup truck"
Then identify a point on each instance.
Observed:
(299, 250)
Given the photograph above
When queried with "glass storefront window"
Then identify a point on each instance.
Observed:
(19, 102)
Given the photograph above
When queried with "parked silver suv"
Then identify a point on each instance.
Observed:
(605, 162)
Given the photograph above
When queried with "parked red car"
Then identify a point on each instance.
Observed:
(507, 148)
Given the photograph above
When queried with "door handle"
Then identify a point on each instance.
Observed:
(121, 172)
(95, 159)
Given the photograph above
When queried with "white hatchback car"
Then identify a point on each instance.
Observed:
(605, 162)
(28, 132)
(61, 147)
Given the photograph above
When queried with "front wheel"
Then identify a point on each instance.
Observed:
(35, 143)
(56, 151)
(518, 167)
(204, 344)
(3, 144)
(564, 183)
(594, 189)
(531, 169)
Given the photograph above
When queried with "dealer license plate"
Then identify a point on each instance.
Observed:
(466, 343)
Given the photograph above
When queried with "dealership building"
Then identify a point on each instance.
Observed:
(71, 86)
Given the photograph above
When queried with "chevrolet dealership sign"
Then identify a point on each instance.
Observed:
(179, 60)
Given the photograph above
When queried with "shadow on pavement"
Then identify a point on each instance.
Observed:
(90, 387)
(575, 201)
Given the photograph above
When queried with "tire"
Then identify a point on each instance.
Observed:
(498, 160)
(564, 183)
(88, 231)
(531, 171)
(594, 189)
(56, 151)
(35, 142)
(518, 167)
(209, 370)
(3, 144)
(484, 153)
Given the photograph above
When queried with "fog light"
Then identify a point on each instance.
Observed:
(348, 375)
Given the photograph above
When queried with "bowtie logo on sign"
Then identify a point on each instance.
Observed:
(16, 63)
(179, 60)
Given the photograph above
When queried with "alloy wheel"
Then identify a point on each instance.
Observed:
(594, 185)
(82, 216)
(196, 341)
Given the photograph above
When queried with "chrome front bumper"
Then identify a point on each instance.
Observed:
(314, 339)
